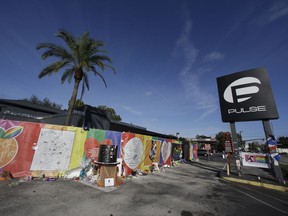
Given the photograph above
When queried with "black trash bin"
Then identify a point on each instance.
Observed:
(107, 154)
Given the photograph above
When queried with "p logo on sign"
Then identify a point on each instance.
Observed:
(241, 89)
(246, 96)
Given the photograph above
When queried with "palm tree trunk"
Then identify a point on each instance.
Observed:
(72, 102)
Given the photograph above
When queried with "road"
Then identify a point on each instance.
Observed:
(266, 202)
(284, 159)
(186, 190)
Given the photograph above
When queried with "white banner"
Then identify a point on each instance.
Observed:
(254, 159)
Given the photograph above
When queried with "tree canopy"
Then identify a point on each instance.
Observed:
(45, 102)
(113, 113)
(80, 57)
(283, 141)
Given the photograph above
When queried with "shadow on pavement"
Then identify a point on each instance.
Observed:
(205, 166)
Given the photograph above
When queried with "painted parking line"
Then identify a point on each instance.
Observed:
(259, 184)
(255, 198)
(264, 194)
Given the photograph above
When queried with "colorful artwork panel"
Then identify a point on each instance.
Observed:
(158, 150)
(151, 152)
(16, 146)
(92, 143)
(78, 147)
(96, 137)
(176, 151)
(165, 152)
(193, 152)
(8, 144)
(115, 139)
(131, 151)
(54, 148)
(191, 156)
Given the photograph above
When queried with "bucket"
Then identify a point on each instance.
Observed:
(107, 154)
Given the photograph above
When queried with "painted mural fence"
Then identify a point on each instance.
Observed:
(33, 149)
(194, 152)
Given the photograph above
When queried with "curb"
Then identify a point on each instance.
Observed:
(259, 184)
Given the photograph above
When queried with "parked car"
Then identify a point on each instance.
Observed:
(204, 152)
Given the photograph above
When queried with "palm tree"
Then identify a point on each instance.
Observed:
(83, 55)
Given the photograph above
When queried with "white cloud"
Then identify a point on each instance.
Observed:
(148, 93)
(184, 46)
(213, 56)
(148, 123)
(189, 77)
(279, 9)
(131, 110)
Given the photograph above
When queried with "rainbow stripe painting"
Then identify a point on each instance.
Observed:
(261, 159)
(13, 132)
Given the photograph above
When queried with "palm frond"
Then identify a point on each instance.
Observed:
(86, 47)
(82, 91)
(46, 45)
(54, 67)
(112, 68)
(100, 65)
(102, 51)
(86, 81)
(55, 51)
(96, 58)
(96, 73)
(68, 73)
(95, 45)
(68, 38)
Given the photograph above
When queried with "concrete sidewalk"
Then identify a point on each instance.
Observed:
(250, 175)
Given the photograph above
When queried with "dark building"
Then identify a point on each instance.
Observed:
(20, 110)
(86, 117)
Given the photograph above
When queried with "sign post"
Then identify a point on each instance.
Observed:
(229, 151)
(236, 148)
(247, 96)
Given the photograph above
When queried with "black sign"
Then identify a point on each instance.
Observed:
(246, 96)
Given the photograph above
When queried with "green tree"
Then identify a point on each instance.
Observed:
(202, 137)
(113, 113)
(221, 138)
(283, 141)
(82, 56)
(79, 103)
(45, 102)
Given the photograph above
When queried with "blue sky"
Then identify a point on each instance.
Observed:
(167, 55)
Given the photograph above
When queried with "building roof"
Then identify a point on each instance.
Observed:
(86, 117)
(126, 127)
(31, 106)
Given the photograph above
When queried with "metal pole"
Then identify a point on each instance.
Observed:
(236, 148)
(241, 144)
(274, 164)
